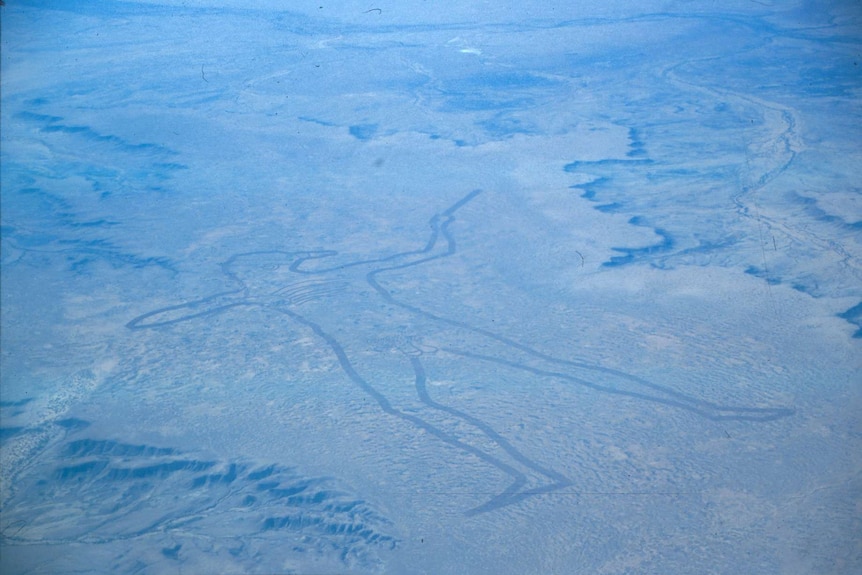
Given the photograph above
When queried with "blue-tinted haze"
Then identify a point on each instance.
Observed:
(431, 287)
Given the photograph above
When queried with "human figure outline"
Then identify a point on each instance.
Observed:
(313, 284)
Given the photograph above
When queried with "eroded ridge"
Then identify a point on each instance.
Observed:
(102, 491)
